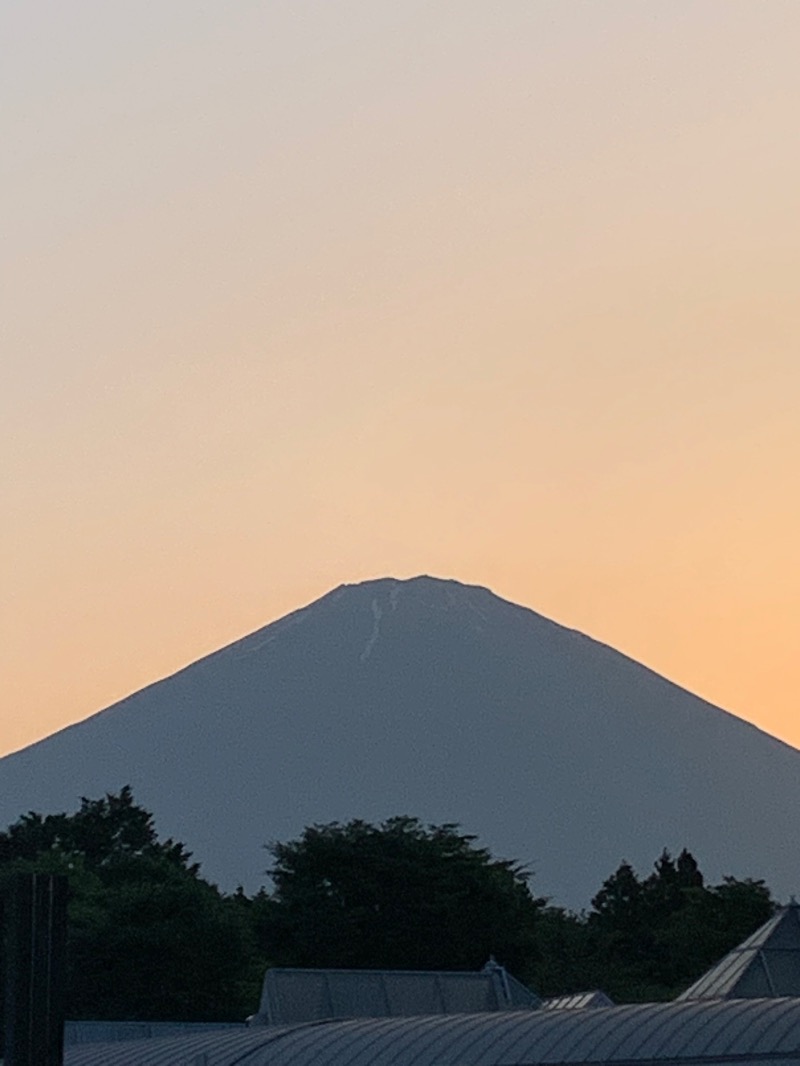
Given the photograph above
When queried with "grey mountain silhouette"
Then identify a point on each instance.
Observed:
(440, 700)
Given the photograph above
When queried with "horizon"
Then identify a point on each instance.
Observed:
(302, 294)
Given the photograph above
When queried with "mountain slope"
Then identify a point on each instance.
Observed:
(441, 700)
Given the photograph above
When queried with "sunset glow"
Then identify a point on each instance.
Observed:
(302, 292)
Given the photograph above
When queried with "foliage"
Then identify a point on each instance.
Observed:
(398, 895)
(148, 938)
(659, 934)
(167, 946)
(103, 832)
(647, 939)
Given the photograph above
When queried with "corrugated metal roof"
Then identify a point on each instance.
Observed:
(92, 1032)
(720, 1032)
(767, 963)
(578, 1001)
(303, 995)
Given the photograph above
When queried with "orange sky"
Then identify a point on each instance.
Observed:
(298, 292)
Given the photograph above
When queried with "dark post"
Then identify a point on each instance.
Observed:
(36, 934)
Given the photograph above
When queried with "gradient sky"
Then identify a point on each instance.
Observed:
(302, 292)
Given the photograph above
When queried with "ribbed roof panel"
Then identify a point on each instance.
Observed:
(750, 1030)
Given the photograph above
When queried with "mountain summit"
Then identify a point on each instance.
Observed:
(440, 700)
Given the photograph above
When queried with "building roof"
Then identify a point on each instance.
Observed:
(94, 1032)
(722, 1033)
(767, 963)
(578, 1001)
(304, 995)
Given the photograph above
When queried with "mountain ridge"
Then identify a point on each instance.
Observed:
(434, 698)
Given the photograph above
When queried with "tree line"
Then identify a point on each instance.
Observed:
(149, 938)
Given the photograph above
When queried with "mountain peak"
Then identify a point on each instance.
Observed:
(433, 698)
(426, 590)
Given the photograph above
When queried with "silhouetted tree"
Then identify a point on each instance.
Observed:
(148, 937)
(399, 895)
(103, 832)
(655, 936)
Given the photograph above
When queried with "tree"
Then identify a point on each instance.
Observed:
(164, 945)
(103, 832)
(566, 958)
(657, 935)
(621, 922)
(710, 923)
(148, 938)
(399, 895)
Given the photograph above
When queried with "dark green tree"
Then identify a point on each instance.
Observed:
(653, 937)
(566, 958)
(399, 895)
(710, 922)
(148, 937)
(103, 832)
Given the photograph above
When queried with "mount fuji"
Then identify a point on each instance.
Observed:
(441, 700)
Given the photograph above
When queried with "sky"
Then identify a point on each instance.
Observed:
(303, 292)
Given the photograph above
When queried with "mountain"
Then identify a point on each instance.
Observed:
(440, 700)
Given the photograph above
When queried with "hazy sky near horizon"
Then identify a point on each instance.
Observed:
(302, 292)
